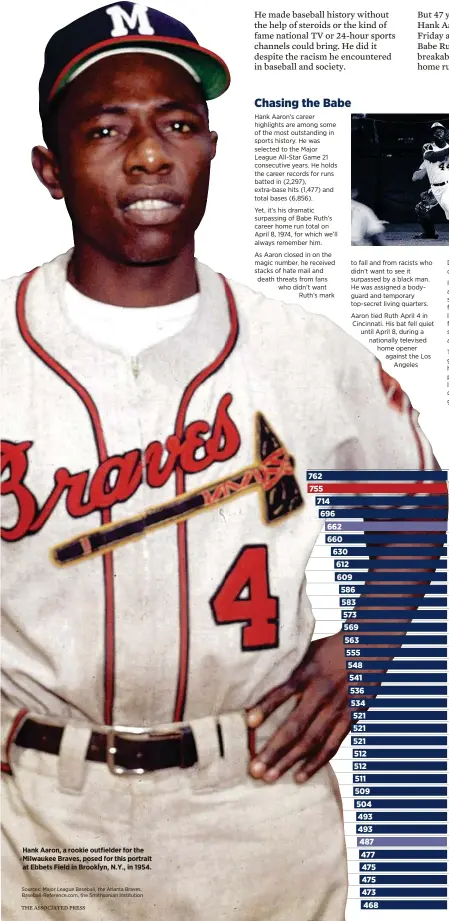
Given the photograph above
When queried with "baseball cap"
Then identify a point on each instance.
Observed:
(126, 27)
(437, 125)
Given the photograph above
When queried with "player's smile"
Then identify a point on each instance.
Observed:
(151, 207)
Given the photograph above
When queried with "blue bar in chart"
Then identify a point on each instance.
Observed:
(386, 536)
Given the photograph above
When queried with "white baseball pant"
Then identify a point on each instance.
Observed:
(441, 193)
(222, 845)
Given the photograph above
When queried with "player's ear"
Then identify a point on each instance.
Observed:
(213, 137)
(46, 167)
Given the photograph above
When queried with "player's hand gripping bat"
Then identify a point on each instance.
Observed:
(272, 475)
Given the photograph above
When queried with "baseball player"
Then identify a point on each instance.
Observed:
(428, 201)
(162, 691)
(366, 228)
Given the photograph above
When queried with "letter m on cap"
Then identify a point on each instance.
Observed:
(123, 22)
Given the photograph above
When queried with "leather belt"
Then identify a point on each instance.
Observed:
(439, 183)
(124, 750)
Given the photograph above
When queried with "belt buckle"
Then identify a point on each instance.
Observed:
(130, 732)
(123, 732)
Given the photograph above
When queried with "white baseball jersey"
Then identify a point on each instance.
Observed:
(156, 531)
(364, 223)
(207, 609)
(438, 174)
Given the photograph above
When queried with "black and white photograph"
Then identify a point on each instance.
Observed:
(400, 180)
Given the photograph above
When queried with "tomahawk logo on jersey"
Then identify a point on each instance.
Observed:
(127, 490)
(272, 473)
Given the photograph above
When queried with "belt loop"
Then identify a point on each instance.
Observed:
(16, 725)
(208, 750)
(234, 731)
(72, 758)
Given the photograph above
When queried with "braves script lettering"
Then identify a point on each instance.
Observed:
(118, 477)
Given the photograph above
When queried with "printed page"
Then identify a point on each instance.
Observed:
(329, 192)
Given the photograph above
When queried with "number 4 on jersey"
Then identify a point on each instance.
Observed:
(244, 597)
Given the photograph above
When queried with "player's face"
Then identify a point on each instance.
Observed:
(134, 158)
(439, 134)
